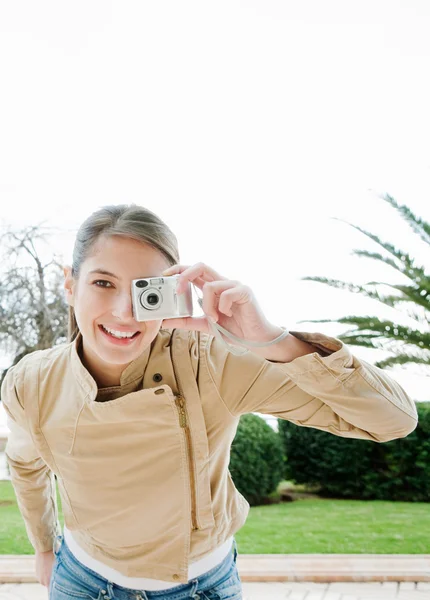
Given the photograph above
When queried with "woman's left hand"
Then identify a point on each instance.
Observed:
(230, 303)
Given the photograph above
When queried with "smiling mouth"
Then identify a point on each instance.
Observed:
(119, 335)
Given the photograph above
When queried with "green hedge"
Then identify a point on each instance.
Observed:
(360, 469)
(257, 461)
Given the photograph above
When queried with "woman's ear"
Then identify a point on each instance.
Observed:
(69, 284)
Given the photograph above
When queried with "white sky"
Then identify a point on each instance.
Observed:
(246, 126)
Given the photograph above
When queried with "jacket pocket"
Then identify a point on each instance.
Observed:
(127, 478)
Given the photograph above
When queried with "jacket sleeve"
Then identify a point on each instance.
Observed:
(32, 480)
(329, 389)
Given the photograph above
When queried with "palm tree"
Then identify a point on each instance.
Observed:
(407, 344)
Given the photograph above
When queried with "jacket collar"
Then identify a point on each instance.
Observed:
(134, 371)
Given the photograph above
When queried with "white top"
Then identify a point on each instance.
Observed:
(195, 569)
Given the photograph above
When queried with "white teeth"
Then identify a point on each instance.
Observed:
(119, 334)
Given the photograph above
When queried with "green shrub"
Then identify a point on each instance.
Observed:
(360, 469)
(257, 459)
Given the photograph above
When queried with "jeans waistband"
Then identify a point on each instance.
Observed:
(185, 590)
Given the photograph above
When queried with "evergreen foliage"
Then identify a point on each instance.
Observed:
(257, 460)
(360, 469)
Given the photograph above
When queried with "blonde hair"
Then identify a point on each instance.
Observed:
(125, 220)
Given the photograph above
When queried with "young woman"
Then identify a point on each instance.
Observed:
(136, 419)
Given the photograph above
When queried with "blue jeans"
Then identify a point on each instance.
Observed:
(71, 580)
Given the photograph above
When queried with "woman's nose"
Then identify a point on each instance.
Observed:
(123, 308)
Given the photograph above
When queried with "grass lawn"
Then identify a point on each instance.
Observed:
(301, 527)
(13, 536)
(337, 527)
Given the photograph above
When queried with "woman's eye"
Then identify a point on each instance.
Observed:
(102, 283)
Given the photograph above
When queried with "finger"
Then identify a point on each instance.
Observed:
(196, 273)
(211, 296)
(174, 270)
(182, 285)
(239, 294)
(187, 323)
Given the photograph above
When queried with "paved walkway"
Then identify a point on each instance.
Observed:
(281, 577)
(314, 568)
(276, 591)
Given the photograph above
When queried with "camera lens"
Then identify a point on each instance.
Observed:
(151, 299)
(141, 283)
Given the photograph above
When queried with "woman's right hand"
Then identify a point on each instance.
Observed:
(44, 563)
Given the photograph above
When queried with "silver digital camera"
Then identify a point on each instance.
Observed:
(156, 298)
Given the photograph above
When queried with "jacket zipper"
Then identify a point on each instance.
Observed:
(180, 403)
(183, 421)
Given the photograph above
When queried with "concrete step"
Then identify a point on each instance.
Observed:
(319, 568)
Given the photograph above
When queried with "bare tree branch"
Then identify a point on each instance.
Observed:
(33, 312)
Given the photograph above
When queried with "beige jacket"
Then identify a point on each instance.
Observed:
(143, 477)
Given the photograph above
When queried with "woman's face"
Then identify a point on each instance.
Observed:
(101, 298)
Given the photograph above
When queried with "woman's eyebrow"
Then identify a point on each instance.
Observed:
(103, 272)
